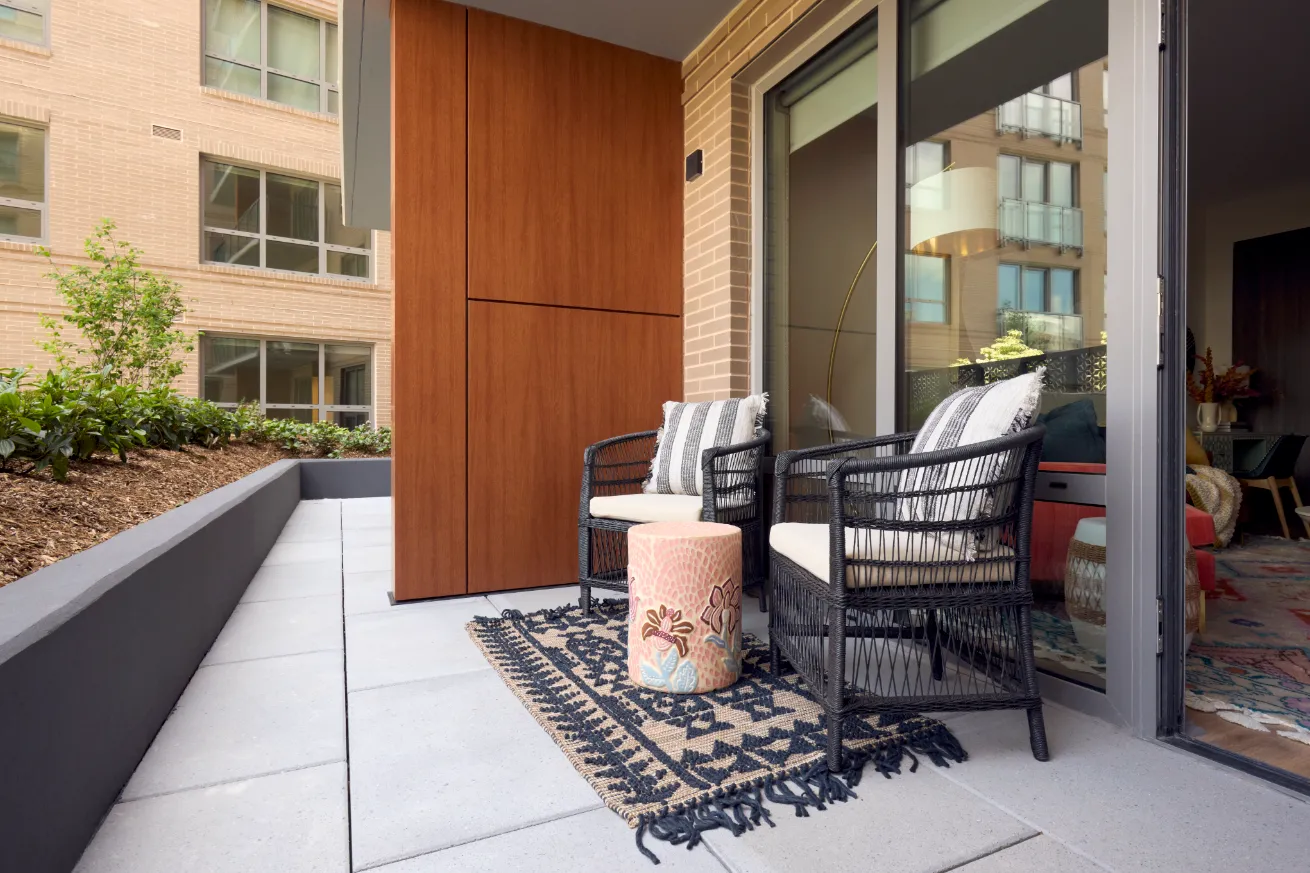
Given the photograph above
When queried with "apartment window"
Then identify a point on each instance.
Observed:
(1061, 88)
(1025, 288)
(1039, 202)
(258, 218)
(927, 282)
(923, 161)
(1035, 181)
(22, 182)
(307, 381)
(263, 50)
(24, 20)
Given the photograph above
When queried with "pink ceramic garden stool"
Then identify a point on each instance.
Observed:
(684, 606)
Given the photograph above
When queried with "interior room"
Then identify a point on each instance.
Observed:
(1248, 289)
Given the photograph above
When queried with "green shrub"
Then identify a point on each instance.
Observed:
(72, 414)
(125, 315)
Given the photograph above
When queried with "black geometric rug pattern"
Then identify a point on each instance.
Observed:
(676, 765)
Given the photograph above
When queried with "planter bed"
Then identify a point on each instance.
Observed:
(96, 648)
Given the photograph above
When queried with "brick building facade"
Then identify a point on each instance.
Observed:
(119, 91)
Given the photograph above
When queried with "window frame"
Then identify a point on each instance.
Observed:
(31, 9)
(263, 236)
(322, 408)
(325, 87)
(945, 302)
(1047, 270)
(42, 207)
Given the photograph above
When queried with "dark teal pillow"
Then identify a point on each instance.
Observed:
(1072, 435)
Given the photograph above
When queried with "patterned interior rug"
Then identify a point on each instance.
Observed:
(675, 766)
(1252, 664)
(1054, 641)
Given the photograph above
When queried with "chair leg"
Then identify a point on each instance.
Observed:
(1037, 734)
(1028, 664)
(1296, 499)
(934, 645)
(775, 659)
(834, 742)
(835, 684)
(585, 600)
(1278, 506)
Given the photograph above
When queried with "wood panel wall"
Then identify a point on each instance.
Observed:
(538, 224)
(575, 170)
(544, 383)
(428, 226)
(1271, 309)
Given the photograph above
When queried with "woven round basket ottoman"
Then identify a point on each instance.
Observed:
(1084, 587)
(1084, 584)
(684, 606)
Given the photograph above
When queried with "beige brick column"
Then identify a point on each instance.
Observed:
(717, 209)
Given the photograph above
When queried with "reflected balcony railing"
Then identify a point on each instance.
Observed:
(1047, 331)
(1030, 223)
(1042, 115)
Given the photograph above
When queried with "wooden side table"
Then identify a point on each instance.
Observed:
(684, 606)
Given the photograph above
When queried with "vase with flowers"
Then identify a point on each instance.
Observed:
(1210, 389)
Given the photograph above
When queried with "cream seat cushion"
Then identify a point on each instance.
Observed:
(648, 507)
(806, 545)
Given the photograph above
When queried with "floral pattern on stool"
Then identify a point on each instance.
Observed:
(684, 602)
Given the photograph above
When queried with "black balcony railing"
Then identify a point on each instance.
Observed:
(1079, 371)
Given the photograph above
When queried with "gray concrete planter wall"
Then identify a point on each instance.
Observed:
(96, 649)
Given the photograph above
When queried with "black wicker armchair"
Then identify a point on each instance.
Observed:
(613, 472)
(899, 582)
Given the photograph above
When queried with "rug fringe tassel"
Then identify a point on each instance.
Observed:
(812, 788)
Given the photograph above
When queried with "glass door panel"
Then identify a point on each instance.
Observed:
(1023, 282)
(821, 235)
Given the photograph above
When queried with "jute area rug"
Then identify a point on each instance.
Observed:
(674, 766)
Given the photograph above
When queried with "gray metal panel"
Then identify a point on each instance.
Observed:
(345, 479)
(365, 35)
(96, 649)
(1132, 492)
(1086, 489)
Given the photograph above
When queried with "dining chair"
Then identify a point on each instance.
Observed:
(1275, 472)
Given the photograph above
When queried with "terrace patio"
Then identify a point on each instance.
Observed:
(328, 730)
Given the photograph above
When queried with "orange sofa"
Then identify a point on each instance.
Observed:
(1054, 525)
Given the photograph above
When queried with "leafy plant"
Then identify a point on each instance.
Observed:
(1005, 348)
(74, 414)
(125, 315)
(1211, 387)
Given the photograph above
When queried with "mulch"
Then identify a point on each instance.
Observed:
(42, 521)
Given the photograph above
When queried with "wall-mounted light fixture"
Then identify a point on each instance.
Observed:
(695, 165)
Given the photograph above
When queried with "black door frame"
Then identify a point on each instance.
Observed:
(1173, 421)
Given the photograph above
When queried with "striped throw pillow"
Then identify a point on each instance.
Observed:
(691, 428)
(971, 415)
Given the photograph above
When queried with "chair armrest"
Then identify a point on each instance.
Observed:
(868, 492)
(732, 479)
(618, 465)
(800, 490)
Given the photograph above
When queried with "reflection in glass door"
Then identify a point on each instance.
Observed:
(820, 204)
(1005, 266)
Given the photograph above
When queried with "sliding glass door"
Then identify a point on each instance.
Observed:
(821, 130)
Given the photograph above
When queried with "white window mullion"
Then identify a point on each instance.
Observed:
(263, 217)
(322, 67)
(263, 375)
(322, 384)
(322, 228)
(263, 52)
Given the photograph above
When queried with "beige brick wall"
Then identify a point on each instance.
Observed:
(110, 72)
(717, 225)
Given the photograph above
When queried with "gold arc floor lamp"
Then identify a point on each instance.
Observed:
(963, 222)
